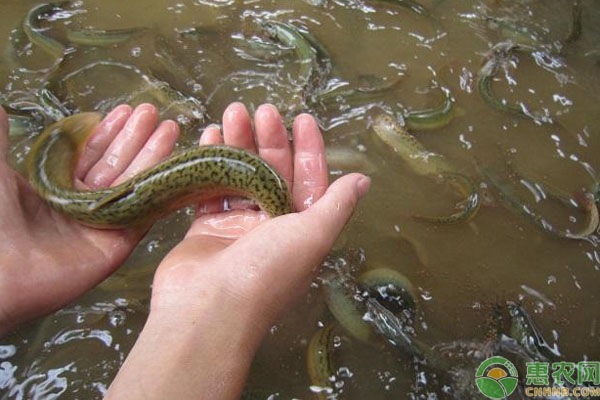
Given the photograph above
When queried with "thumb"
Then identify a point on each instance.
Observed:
(333, 210)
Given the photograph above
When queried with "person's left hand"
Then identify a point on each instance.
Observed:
(47, 259)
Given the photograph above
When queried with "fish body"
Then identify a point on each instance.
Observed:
(183, 179)
(426, 163)
(36, 35)
(432, 118)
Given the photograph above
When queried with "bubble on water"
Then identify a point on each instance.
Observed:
(576, 282)
(121, 302)
(7, 375)
(421, 379)
(153, 245)
(466, 144)
(190, 211)
(117, 317)
(136, 51)
(425, 294)
(345, 372)
(321, 389)
(337, 341)
(7, 351)
(177, 8)
(387, 378)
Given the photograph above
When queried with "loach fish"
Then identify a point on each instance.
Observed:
(184, 178)
(432, 118)
(36, 34)
(357, 310)
(102, 37)
(514, 202)
(426, 163)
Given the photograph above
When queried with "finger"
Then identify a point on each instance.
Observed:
(158, 147)
(101, 138)
(124, 148)
(237, 132)
(211, 135)
(310, 166)
(3, 133)
(237, 127)
(272, 140)
(332, 211)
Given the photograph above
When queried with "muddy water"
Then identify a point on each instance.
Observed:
(397, 58)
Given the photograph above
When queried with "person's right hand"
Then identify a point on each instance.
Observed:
(216, 294)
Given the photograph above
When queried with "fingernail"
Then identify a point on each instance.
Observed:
(213, 126)
(233, 110)
(362, 186)
(305, 121)
(268, 106)
(120, 112)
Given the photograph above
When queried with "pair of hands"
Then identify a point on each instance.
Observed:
(235, 270)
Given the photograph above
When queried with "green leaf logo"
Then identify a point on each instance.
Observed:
(496, 378)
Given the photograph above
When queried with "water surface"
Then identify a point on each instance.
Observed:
(397, 60)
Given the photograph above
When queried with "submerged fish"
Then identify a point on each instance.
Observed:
(426, 163)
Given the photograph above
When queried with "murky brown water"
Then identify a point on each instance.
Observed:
(460, 270)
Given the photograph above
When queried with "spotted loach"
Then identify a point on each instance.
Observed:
(183, 179)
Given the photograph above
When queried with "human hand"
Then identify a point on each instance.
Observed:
(244, 236)
(47, 259)
(219, 290)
